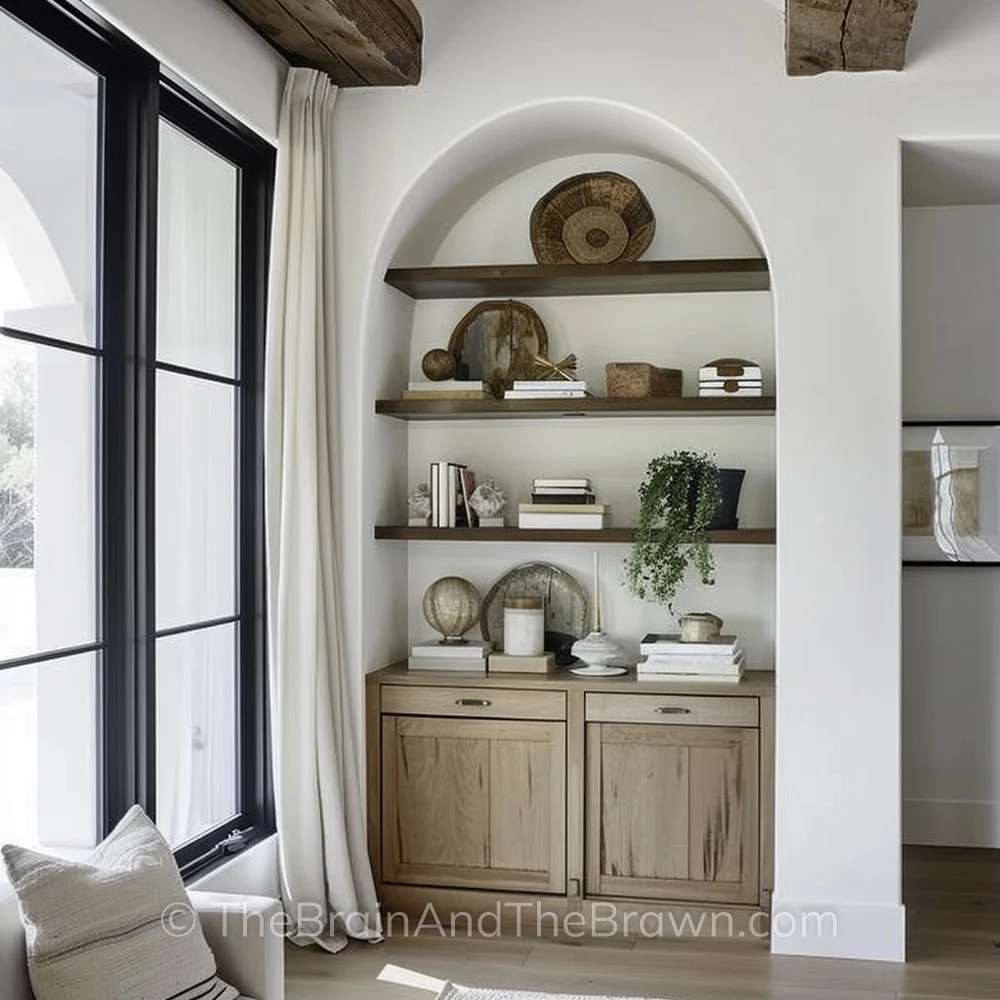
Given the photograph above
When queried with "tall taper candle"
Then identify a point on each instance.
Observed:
(597, 590)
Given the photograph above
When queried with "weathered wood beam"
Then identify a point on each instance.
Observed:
(360, 43)
(851, 35)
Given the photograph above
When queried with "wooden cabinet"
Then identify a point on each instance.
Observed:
(474, 802)
(672, 812)
(573, 790)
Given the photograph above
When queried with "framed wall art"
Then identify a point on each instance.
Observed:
(951, 493)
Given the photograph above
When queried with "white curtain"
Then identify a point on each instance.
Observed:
(316, 735)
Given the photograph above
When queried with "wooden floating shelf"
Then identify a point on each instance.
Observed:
(647, 277)
(479, 409)
(611, 536)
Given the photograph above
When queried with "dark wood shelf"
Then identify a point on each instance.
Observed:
(615, 536)
(480, 409)
(647, 277)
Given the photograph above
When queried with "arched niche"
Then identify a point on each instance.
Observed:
(550, 139)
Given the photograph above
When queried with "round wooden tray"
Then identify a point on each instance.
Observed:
(497, 342)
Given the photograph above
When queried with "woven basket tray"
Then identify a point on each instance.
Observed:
(639, 380)
(597, 218)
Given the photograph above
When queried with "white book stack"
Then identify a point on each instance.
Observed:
(447, 389)
(560, 389)
(730, 377)
(469, 657)
(563, 504)
(667, 658)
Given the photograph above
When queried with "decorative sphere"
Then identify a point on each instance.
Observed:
(438, 364)
(451, 607)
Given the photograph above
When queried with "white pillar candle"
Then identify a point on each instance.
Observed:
(597, 590)
(524, 626)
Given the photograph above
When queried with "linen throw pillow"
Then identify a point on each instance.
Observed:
(119, 927)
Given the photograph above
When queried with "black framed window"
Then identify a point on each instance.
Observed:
(133, 263)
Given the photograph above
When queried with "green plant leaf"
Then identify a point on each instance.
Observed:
(677, 500)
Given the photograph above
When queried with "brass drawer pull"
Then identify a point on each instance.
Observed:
(672, 710)
(474, 702)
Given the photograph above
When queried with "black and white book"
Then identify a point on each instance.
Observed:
(550, 384)
(579, 499)
(435, 486)
(657, 643)
(541, 484)
(719, 666)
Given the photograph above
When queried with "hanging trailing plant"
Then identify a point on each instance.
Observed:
(677, 500)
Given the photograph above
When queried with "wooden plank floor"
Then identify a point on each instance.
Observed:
(953, 913)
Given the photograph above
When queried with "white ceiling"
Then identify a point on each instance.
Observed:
(951, 172)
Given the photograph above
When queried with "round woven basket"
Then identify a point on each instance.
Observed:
(595, 218)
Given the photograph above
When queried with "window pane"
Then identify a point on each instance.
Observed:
(48, 754)
(48, 499)
(196, 292)
(48, 188)
(195, 731)
(195, 500)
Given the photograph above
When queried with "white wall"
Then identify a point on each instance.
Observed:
(211, 47)
(817, 161)
(950, 626)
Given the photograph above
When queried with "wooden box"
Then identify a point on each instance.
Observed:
(501, 663)
(640, 380)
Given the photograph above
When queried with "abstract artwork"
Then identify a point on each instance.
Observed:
(951, 493)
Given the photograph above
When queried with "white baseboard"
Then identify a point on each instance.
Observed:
(838, 930)
(951, 823)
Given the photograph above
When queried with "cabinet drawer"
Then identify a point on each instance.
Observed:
(672, 709)
(482, 703)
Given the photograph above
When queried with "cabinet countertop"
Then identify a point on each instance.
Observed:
(755, 683)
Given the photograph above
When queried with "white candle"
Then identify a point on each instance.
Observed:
(597, 590)
(524, 626)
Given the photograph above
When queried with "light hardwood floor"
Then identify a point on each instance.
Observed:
(953, 912)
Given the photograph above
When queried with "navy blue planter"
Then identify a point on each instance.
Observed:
(730, 482)
(725, 518)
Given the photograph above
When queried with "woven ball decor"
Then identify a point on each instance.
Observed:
(594, 218)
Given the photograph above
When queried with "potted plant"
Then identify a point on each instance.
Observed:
(683, 496)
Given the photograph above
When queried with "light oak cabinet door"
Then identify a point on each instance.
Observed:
(474, 803)
(672, 812)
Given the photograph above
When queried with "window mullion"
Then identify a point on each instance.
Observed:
(127, 319)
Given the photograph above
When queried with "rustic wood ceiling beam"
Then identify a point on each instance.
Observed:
(360, 43)
(849, 35)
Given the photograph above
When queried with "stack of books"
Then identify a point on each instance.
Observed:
(470, 656)
(561, 389)
(448, 389)
(451, 485)
(719, 659)
(730, 377)
(563, 503)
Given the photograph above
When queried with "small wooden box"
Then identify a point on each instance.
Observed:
(500, 663)
(640, 380)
